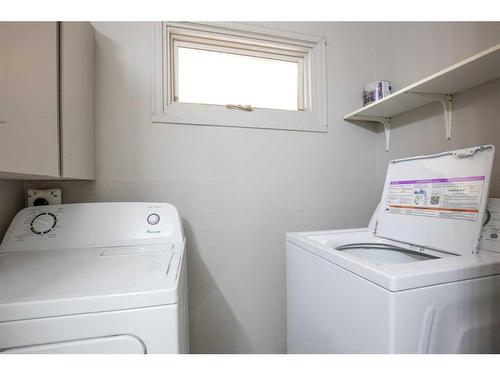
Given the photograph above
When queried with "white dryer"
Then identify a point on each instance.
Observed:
(412, 282)
(94, 278)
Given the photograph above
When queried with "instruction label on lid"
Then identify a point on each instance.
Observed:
(456, 198)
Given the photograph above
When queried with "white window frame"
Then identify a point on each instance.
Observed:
(309, 51)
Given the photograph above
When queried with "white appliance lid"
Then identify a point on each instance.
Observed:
(437, 201)
(63, 282)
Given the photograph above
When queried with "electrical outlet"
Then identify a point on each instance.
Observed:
(39, 197)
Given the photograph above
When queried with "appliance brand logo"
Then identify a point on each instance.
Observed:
(149, 231)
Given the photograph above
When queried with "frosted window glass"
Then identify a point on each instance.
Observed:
(208, 77)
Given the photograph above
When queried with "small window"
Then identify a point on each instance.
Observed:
(222, 78)
(242, 76)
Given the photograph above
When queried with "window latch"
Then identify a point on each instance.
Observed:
(246, 107)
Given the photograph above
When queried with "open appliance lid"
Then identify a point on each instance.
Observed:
(437, 201)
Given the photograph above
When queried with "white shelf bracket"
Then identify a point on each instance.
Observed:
(387, 130)
(447, 102)
(386, 121)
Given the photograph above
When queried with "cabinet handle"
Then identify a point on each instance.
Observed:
(4, 123)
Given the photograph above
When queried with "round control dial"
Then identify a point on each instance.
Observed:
(153, 219)
(43, 223)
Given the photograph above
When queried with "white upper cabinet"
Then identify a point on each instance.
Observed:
(46, 100)
(28, 98)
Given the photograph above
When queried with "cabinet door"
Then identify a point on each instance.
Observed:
(28, 98)
(76, 96)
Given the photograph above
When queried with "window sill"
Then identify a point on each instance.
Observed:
(214, 115)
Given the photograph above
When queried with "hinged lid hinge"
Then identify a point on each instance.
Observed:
(466, 152)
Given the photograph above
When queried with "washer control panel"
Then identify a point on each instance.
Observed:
(37, 224)
(490, 234)
(84, 225)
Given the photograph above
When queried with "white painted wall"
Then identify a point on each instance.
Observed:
(11, 201)
(238, 190)
(407, 52)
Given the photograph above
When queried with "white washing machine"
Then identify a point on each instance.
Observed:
(414, 281)
(94, 278)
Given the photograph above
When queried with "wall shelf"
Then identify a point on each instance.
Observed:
(441, 87)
